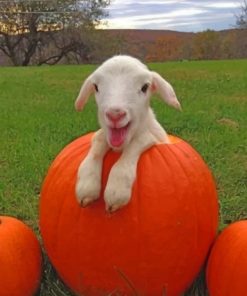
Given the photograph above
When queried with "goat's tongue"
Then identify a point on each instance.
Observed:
(117, 136)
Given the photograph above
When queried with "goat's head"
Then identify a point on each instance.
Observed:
(122, 87)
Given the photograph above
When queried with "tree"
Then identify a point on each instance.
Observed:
(165, 48)
(28, 26)
(242, 17)
(206, 45)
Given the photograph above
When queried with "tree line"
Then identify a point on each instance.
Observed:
(207, 45)
(36, 32)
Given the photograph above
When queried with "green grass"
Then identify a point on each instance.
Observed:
(37, 119)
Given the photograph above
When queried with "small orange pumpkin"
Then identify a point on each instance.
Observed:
(227, 264)
(20, 259)
(155, 245)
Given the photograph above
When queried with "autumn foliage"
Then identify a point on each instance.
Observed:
(160, 46)
(147, 45)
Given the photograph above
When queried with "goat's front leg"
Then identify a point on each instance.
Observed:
(123, 173)
(88, 184)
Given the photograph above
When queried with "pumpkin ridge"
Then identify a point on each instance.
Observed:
(60, 165)
(171, 151)
(232, 282)
(197, 185)
(191, 180)
(175, 155)
(164, 158)
(79, 145)
(50, 186)
(232, 278)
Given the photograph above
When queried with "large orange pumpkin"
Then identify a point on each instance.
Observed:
(156, 244)
(20, 259)
(227, 264)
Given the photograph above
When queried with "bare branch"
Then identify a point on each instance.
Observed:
(242, 16)
(33, 30)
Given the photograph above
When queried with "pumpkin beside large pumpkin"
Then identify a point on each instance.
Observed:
(20, 259)
(155, 245)
(227, 264)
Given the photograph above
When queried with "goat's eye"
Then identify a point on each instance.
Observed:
(145, 88)
(96, 87)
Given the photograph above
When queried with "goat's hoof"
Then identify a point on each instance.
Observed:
(112, 209)
(87, 201)
(87, 192)
(114, 202)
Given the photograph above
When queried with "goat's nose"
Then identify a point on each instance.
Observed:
(115, 114)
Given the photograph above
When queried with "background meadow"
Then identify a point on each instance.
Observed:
(37, 119)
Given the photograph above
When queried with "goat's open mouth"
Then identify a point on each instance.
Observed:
(117, 136)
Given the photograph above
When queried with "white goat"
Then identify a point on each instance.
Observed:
(122, 87)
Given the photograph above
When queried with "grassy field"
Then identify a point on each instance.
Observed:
(37, 119)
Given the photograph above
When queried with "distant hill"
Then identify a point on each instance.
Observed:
(147, 35)
(162, 45)
(147, 45)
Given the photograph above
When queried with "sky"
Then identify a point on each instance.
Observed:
(183, 15)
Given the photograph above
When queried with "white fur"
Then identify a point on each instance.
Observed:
(117, 85)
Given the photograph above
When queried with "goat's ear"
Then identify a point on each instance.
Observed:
(165, 90)
(86, 90)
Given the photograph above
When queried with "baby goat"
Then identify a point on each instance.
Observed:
(122, 86)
